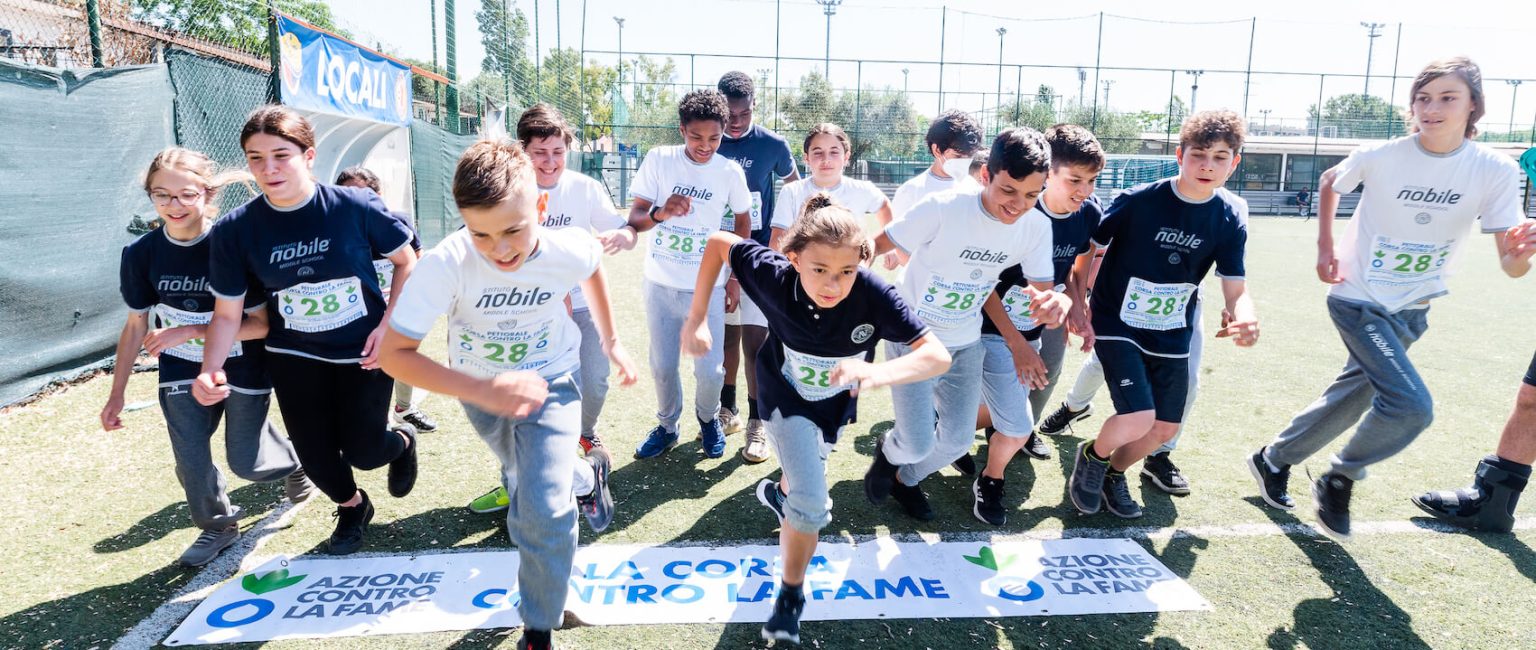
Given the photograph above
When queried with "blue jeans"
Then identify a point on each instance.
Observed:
(915, 445)
(593, 375)
(802, 455)
(537, 465)
(1378, 382)
(665, 311)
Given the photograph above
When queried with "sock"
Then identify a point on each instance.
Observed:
(1510, 466)
(584, 481)
(752, 408)
(728, 397)
(1093, 455)
(538, 638)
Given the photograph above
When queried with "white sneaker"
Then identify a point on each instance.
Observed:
(729, 421)
(756, 450)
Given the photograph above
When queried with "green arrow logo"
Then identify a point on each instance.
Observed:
(269, 582)
(1380, 254)
(985, 558)
(1135, 296)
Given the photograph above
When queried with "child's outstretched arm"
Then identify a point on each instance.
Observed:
(595, 288)
(927, 359)
(1239, 320)
(695, 335)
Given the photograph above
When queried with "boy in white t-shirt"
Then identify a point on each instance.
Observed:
(513, 356)
(1424, 193)
(679, 197)
(953, 139)
(958, 243)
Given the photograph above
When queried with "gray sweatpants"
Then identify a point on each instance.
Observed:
(593, 375)
(1378, 382)
(1090, 378)
(919, 444)
(537, 465)
(255, 450)
(665, 310)
(802, 456)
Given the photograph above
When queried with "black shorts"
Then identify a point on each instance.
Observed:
(1139, 381)
(1530, 373)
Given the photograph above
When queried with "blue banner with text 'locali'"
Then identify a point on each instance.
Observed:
(327, 74)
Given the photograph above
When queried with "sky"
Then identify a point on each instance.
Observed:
(1294, 42)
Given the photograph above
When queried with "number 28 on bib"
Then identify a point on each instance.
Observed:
(1153, 306)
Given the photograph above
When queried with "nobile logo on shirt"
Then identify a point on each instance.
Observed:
(514, 297)
(702, 194)
(1421, 194)
(295, 250)
(975, 254)
(181, 284)
(1178, 238)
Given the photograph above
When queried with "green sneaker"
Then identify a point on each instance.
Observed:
(493, 501)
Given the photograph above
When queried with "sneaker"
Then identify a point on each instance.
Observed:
(657, 442)
(1117, 496)
(597, 507)
(402, 470)
(881, 475)
(588, 442)
(208, 545)
(536, 640)
(711, 439)
(989, 501)
(1057, 422)
(351, 524)
(784, 623)
(1086, 487)
(769, 495)
(966, 465)
(756, 450)
(1332, 492)
(1488, 505)
(729, 421)
(912, 501)
(1272, 484)
(1036, 447)
(297, 486)
(1160, 470)
(494, 501)
(416, 418)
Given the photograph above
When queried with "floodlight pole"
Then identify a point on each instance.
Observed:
(829, 7)
(1372, 31)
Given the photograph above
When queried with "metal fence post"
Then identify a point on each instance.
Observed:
(274, 86)
(93, 23)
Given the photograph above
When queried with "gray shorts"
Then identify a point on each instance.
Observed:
(1007, 398)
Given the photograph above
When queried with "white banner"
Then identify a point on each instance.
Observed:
(632, 585)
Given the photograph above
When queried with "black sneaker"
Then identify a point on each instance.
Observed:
(1036, 447)
(769, 495)
(881, 475)
(784, 623)
(597, 507)
(1272, 484)
(1332, 492)
(417, 418)
(351, 523)
(989, 501)
(912, 501)
(402, 470)
(1057, 422)
(1117, 497)
(536, 640)
(966, 465)
(1086, 486)
(1160, 470)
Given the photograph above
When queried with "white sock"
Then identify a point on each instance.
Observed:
(585, 479)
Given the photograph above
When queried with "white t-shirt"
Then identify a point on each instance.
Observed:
(719, 191)
(1416, 211)
(500, 321)
(581, 202)
(916, 189)
(955, 268)
(860, 197)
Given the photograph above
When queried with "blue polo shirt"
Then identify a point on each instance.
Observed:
(1071, 236)
(762, 155)
(168, 279)
(1161, 246)
(806, 341)
(315, 264)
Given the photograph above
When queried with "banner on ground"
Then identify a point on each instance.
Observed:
(327, 74)
(633, 585)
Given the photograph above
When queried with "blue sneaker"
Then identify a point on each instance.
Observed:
(711, 438)
(657, 442)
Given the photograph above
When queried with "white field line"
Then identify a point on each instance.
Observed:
(159, 624)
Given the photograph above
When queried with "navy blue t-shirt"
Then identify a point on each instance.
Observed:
(1071, 236)
(405, 220)
(315, 262)
(805, 341)
(762, 155)
(1161, 246)
(169, 280)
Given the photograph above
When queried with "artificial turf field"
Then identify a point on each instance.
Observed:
(96, 520)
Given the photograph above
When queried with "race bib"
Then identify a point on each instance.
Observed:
(1396, 263)
(487, 354)
(385, 270)
(167, 317)
(679, 244)
(1153, 306)
(322, 306)
(1017, 303)
(812, 375)
(757, 213)
(947, 304)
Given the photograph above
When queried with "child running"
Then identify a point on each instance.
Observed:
(1423, 193)
(514, 353)
(825, 312)
(406, 409)
(164, 282)
(1162, 239)
(827, 149)
(310, 248)
(953, 140)
(681, 192)
(958, 243)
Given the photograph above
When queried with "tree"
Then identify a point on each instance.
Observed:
(240, 25)
(1358, 116)
(505, 37)
(1164, 121)
(1037, 112)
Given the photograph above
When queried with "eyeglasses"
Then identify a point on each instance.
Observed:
(164, 198)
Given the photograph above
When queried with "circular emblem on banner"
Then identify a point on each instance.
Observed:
(1423, 218)
(292, 55)
(862, 333)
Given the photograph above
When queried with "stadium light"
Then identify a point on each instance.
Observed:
(1001, 32)
(1372, 31)
(829, 7)
(1194, 88)
(620, 21)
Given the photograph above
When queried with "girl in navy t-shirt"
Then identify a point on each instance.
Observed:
(826, 312)
(164, 282)
(308, 250)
